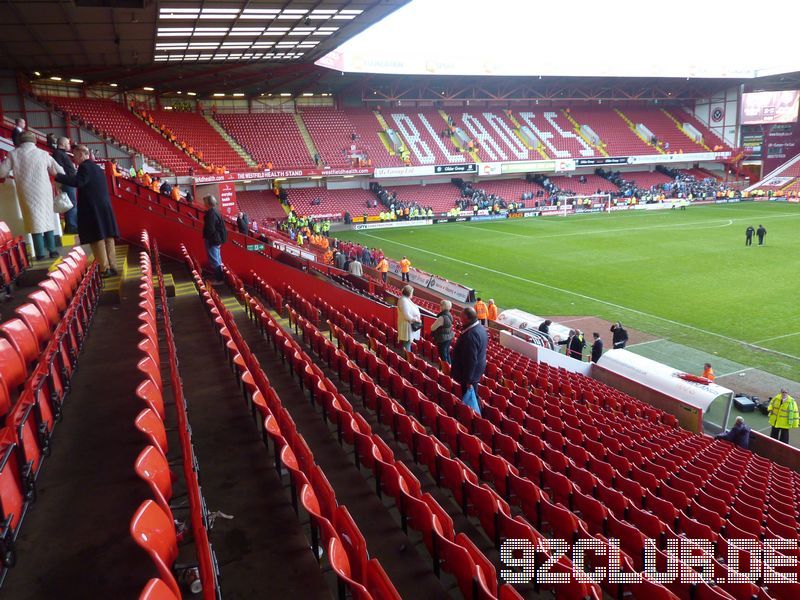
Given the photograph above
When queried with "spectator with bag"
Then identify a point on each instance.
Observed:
(62, 157)
(97, 224)
(469, 358)
(32, 169)
(409, 320)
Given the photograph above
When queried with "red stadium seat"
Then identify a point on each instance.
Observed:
(156, 589)
(154, 531)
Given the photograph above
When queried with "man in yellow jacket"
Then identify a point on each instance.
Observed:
(405, 265)
(783, 416)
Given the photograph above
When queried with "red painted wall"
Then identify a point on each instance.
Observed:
(171, 228)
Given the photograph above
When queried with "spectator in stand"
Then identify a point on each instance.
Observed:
(339, 259)
(620, 336)
(355, 268)
(409, 320)
(739, 435)
(214, 234)
(32, 169)
(481, 311)
(597, 347)
(175, 194)
(97, 224)
(242, 223)
(19, 128)
(165, 188)
(442, 330)
(491, 310)
(405, 265)
(783, 416)
(62, 157)
(469, 352)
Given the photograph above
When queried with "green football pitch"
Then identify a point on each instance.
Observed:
(685, 276)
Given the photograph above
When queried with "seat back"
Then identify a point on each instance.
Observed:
(151, 425)
(152, 467)
(35, 321)
(55, 292)
(153, 530)
(12, 367)
(149, 392)
(22, 339)
(157, 590)
(46, 305)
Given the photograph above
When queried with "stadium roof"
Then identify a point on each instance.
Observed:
(619, 38)
(137, 43)
(118, 41)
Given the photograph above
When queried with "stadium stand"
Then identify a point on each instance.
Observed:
(367, 129)
(573, 185)
(332, 133)
(617, 137)
(421, 131)
(39, 349)
(665, 129)
(270, 138)
(555, 132)
(552, 454)
(197, 133)
(332, 202)
(493, 134)
(709, 137)
(114, 120)
(262, 205)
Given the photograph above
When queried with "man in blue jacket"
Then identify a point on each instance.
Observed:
(738, 435)
(469, 352)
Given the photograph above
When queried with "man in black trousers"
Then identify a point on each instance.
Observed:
(748, 236)
(761, 233)
(597, 347)
(620, 338)
(469, 352)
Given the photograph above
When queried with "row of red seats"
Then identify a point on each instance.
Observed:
(471, 439)
(519, 371)
(266, 291)
(504, 476)
(341, 538)
(13, 255)
(39, 349)
(455, 553)
(153, 526)
(639, 479)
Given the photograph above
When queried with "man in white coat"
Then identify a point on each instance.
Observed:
(355, 268)
(32, 169)
(409, 320)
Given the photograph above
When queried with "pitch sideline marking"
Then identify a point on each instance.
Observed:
(623, 230)
(586, 297)
(777, 337)
(726, 223)
(647, 342)
(736, 372)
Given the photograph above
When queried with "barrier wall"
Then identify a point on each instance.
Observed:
(172, 228)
